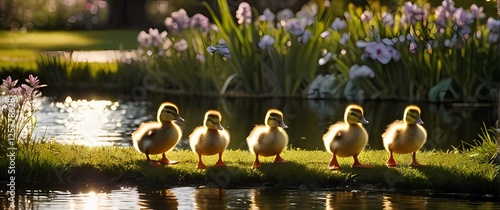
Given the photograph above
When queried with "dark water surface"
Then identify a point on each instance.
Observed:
(206, 198)
(110, 120)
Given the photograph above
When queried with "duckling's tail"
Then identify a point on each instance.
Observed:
(142, 133)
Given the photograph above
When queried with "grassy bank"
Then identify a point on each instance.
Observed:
(55, 166)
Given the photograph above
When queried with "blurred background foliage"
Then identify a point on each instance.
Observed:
(23, 15)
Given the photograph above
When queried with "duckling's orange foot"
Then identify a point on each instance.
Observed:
(220, 164)
(334, 167)
(168, 162)
(359, 165)
(256, 164)
(280, 160)
(153, 163)
(201, 166)
(417, 164)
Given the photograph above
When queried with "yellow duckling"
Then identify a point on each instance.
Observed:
(402, 137)
(161, 136)
(269, 139)
(347, 138)
(209, 139)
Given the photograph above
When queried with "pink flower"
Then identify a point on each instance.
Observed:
(366, 16)
(8, 84)
(34, 82)
(387, 19)
(244, 13)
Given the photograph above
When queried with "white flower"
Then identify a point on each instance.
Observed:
(266, 41)
(144, 39)
(323, 60)
(181, 45)
(338, 24)
(244, 13)
(357, 71)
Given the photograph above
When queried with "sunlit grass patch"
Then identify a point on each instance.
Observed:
(59, 165)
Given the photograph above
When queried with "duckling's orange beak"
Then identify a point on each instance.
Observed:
(283, 125)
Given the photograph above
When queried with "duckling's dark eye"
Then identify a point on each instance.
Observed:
(212, 121)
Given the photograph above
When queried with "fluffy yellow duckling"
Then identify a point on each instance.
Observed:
(161, 136)
(269, 139)
(209, 139)
(347, 138)
(402, 137)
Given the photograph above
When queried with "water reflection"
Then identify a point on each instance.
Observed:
(111, 121)
(207, 198)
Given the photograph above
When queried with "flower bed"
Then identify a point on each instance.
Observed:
(413, 53)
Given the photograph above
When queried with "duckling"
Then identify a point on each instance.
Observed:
(407, 136)
(209, 139)
(347, 138)
(161, 136)
(269, 139)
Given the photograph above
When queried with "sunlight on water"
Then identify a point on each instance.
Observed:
(87, 122)
(214, 198)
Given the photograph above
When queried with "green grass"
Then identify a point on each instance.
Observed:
(19, 50)
(69, 40)
(72, 166)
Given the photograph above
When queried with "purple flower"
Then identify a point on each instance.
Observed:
(267, 16)
(244, 13)
(493, 25)
(294, 26)
(284, 14)
(200, 21)
(344, 38)
(444, 13)
(304, 38)
(387, 19)
(413, 47)
(413, 13)
(378, 51)
(338, 24)
(266, 41)
(357, 71)
(221, 48)
(178, 21)
(477, 12)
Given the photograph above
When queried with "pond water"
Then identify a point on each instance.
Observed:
(110, 120)
(209, 198)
